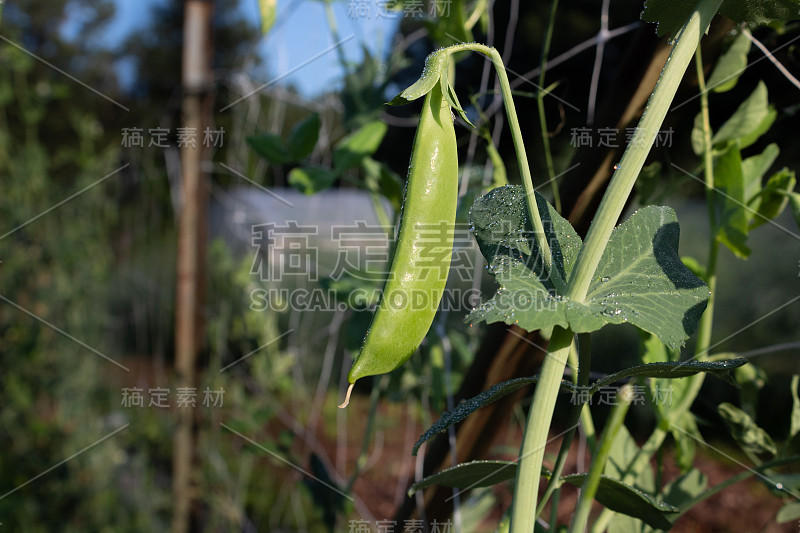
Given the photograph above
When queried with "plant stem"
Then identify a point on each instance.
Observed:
(592, 482)
(704, 330)
(529, 471)
(633, 159)
(581, 362)
(540, 94)
(525, 172)
(522, 157)
(706, 321)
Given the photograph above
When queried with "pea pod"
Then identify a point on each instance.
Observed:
(421, 261)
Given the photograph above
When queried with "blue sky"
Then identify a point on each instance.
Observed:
(301, 32)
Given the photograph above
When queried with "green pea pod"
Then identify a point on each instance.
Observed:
(421, 261)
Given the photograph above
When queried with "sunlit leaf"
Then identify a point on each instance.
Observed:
(363, 142)
(749, 436)
(640, 278)
(751, 119)
(311, 180)
(474, 474)
(730, 65)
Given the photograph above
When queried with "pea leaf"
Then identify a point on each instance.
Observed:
(303, 137)
(751, 119)
(794, 201)
(749, 436)
(674, 369)
(696, 137)
(685, 439)
(685, 488)
(363, 142)
(733, 216)
(620, 461)
(310, 180)
(788, 513)
(640, 278)
(730, 66)
(467, 407)
(772, 199)
(473, 475)
(611, 493)
(623, 498)
(754, 168)
(670, 15)
(435, 64)
(270, 147)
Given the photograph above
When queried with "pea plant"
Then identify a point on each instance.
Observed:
(552, 280)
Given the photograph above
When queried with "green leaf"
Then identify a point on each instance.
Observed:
(675, 369)
(435, 65)
(452, 99)
(449, 27)
(788, 513)
(303, 137)
(730, 66)
(751, 119)
(311, 180)
(470, 475)
(685, 488)
(750, 437)
(670, 15)
(363, 142)
(623, 498)
(640, 278)
(467, 407)
(269, 9)
(794, 202)
(698, 136)
(755, 167)
(620, 461)
(773, 197)
(751, 380)
(685, 444)
(270, 147)
(612, 493)
(384, 181)
(696, 268)
(648, 182)
(733, 216)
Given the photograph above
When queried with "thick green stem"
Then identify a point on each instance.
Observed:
(540, 94)
(529, 471)
(638, 148)
(541, 412)
(592, 482)
(581, 363)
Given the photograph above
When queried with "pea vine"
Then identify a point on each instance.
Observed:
(551, 280)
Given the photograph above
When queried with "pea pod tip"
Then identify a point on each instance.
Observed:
(347, 397)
